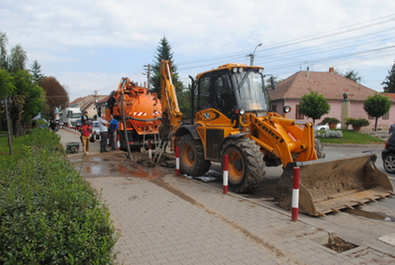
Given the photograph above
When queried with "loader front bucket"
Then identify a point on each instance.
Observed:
(331, 185)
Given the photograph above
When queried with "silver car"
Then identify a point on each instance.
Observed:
(323, 127)
(96, 129)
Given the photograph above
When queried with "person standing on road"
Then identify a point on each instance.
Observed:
(85, 136)
(84, 117)
(113, 132)
(103, 124)
(52, 125)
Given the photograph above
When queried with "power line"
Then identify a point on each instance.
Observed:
(307, 39)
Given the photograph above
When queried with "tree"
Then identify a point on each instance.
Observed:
(183, 94)
(314, 106)
(6, 90)
(17, 60)
(56, 95)
(3, 51)
(163, 52)
(353, 75)
(28, 100)
(6, 84)
(35, 69)
(377, 106)
(389, 82)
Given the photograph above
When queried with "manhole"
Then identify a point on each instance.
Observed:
(328, 240)
(339, 245)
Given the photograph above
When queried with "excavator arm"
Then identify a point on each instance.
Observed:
(171, 114)
(281, 138)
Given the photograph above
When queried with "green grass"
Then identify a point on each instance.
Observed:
(352, 137)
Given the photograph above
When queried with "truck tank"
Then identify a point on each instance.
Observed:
(142, 113)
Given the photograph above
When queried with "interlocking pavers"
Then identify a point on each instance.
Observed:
(159, 226)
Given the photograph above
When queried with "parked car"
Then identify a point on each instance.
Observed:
(388, 154)
(323, 127)
(96, 129)
(392, 128)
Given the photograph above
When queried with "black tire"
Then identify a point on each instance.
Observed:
(192, 160)
(389, 163)
(246, 165)
(319, 149)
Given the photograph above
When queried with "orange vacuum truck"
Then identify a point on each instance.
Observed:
(233, 117)
(138, 113)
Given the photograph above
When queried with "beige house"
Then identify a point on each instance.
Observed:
(332, 86)
(88, 103)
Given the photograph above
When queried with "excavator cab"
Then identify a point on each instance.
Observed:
(231, 88)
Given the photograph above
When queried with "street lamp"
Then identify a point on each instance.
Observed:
(252, 55)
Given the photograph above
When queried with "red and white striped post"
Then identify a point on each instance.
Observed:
(295, 194)
(118, 141)
(149, 150)
(225, 174)
(177, 160)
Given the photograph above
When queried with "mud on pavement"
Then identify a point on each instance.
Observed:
(117, 163)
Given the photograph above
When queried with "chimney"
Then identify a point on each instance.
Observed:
(307, 73)
(331, 70)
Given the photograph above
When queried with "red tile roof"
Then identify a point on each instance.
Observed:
(76, 100)
(330, 85)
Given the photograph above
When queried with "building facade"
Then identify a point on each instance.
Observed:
(333, 87)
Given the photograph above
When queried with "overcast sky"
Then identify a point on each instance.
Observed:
(89, 45)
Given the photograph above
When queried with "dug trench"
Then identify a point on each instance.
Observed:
(117, 163)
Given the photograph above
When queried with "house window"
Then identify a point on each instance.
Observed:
(298, 116)
(386, 116)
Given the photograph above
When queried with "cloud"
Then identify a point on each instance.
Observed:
(79, 39)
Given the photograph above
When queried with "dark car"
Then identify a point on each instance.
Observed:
(388, 154)
(392, 128)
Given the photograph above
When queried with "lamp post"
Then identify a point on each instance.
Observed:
(252, 55)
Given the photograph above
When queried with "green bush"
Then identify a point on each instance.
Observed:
(48, 213)
(330, 120)
(357, 122)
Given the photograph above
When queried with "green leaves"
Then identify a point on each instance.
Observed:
(6, 84)
(48, 213)
(314, 105)
(389, 82)
(377, 105)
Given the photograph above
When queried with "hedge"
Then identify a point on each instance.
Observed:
(48, 213)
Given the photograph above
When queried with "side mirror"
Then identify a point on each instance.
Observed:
(272, 82)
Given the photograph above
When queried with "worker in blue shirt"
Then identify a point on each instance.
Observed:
(112, 131)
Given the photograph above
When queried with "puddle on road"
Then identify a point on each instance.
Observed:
(104, 166)
(371, 215)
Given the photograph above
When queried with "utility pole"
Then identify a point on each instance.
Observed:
(148, 73)
(6, 101)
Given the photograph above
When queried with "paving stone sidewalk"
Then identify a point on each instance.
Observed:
(176, 220)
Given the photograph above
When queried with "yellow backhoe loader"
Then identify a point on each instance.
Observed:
(233, 117)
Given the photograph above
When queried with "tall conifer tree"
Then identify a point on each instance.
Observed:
(389, 82)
